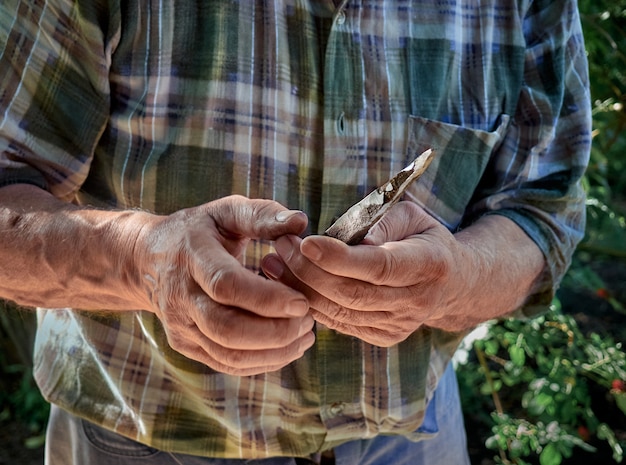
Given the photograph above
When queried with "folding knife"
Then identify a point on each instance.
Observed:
(354, 224)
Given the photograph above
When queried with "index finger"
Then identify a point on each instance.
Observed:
(394, 264)
(227, 282)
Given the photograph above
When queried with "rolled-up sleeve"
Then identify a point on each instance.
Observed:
(535, 177)
(54, 96)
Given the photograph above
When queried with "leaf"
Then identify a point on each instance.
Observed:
(550, 455)
(491, 347)
(518, 356)
(620, 400)
(492, 443)
(606, 433)
(539, 404)
(487, 389)
(35, 442)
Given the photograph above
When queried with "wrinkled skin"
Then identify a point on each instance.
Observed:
(408, 272)
(213, 309)
(185, 268)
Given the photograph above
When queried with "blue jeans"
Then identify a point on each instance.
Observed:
(72, 441)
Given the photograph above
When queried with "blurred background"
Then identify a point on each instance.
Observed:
(548, 391)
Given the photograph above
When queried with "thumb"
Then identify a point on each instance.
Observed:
(256, 218)
(403, 220)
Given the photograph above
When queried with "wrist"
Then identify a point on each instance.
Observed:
(495, 269)
(127, 232)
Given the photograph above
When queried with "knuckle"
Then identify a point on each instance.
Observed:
(339, 312)
(220, 366)
(225, 330)
(385, 269)
(235, 358)
(383, 231)
(179, 340)
(284, 334)
(177, 322)
(390, 338)
(440, 267)
(262, 207)
(385, 341)
(224, 357)
(356, 294)
(222, 285)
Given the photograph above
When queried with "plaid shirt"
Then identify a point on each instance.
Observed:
(166, 104)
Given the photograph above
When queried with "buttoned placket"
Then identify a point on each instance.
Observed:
(340, 356)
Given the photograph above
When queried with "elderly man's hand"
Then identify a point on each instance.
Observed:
(213, 309)
(409, 271)
(184, 267)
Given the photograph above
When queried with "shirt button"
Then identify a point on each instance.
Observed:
(341, 17)
(337, 408)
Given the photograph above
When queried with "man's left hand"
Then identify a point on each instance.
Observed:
(408, 272)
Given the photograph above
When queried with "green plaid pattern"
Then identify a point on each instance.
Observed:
(165, 104)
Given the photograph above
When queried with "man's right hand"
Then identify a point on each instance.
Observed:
(212, 308)
(183, 267)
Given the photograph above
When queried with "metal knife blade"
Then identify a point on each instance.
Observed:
(354, 224)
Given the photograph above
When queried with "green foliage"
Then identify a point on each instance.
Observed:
(20, 399)
(544, 368)
(521, 438)
(23, 402)
(604, 26)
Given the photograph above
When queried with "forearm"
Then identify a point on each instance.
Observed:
(504, 267)
(56, 254)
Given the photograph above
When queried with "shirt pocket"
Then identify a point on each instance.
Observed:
(462, 154)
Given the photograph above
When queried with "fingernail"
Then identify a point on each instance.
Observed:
(286, 214)
(273, 267)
